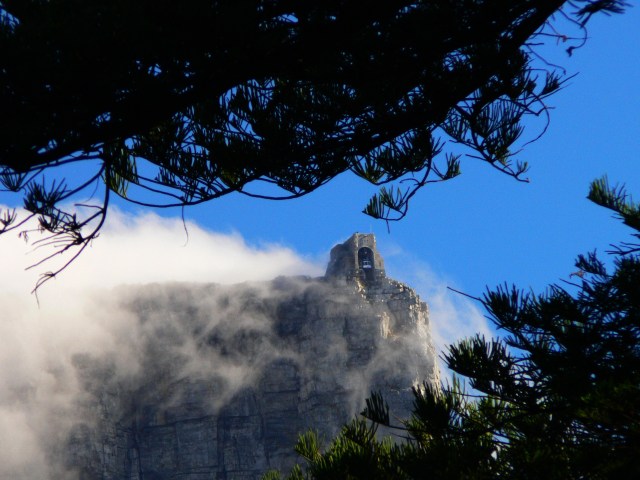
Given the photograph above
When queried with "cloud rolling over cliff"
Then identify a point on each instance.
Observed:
(78, 314)
(51, 355)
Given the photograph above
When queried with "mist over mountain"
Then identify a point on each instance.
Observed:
(202, 380)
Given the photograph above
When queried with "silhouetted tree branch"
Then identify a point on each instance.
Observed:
(178, 104)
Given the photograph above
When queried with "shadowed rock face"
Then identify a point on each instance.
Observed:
(225, 378)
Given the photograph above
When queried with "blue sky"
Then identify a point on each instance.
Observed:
(484, 228)
(478, 230)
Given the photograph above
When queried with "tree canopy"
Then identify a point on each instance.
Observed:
(177, 104)
(557, 397)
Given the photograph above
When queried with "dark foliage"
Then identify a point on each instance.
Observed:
(177, 103)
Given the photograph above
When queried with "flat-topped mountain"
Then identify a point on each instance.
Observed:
(227, 377)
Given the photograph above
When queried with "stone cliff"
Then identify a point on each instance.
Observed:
(226, 377)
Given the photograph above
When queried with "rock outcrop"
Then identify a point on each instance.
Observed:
(222, 379)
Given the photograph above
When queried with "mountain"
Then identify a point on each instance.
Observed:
(216, 382)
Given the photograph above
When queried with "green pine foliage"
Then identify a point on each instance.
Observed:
(557, 396)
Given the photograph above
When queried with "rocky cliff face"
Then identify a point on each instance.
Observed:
(219, 381)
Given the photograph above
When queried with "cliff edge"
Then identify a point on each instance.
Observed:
(226, 377)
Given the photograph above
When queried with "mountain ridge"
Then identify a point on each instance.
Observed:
(215, 381)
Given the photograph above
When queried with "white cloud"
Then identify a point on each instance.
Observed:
(148, 248)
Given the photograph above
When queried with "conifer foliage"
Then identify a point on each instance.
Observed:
(170, 103)
(557, 396)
